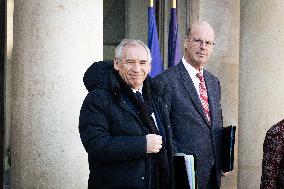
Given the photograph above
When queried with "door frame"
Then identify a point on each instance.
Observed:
(2, 84)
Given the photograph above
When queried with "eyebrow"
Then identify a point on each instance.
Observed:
(206, 41)
(135, 60)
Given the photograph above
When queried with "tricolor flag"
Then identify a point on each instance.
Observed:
(153, 42)
(174, 51)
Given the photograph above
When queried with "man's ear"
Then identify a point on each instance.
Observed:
(185, 43)
(150, 68)
(115, 64)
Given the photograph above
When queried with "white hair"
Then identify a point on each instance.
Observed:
(135, 42)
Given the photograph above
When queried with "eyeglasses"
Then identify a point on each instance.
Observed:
(201, 42)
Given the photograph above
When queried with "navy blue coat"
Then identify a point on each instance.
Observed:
(112, 132)
(192, 133)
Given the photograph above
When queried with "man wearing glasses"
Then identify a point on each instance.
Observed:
(124, 125)
(194, 106)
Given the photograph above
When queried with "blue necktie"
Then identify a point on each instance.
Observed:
(139, 96)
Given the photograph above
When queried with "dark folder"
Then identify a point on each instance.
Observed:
(228, 153)
(182, 168)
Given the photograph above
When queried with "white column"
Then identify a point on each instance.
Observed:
(261, 83)
(54, 42)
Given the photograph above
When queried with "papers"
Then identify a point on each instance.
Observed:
(184, 170)
(190, 169)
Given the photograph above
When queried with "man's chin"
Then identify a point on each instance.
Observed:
(201, 61)
(136, 85)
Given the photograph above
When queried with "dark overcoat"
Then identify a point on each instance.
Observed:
(112, 132)
(192, 133)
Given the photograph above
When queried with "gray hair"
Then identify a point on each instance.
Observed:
(135, 42)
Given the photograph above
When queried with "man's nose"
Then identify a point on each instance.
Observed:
(136, 67)
(203, 45)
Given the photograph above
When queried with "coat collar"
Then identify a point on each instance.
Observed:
(189, 86)
(213, 95)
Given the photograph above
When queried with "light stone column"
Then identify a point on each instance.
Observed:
(54, 43)
(261, 83)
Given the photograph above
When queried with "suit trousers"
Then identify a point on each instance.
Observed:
(213, 184)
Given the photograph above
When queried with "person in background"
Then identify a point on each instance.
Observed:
(124, 125)
(194, 105)
(273, 158)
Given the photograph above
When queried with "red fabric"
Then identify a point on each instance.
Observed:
(203, 96)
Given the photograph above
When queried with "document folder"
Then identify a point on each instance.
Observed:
(184, 171)
(229, 143)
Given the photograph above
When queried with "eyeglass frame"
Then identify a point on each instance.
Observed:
(201, 42)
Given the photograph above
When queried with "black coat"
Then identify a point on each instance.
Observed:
(112, 132)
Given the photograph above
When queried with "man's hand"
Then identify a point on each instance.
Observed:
(224, 174)
(154, 143)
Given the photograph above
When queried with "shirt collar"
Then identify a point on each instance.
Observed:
(140, 89)
(190, 69)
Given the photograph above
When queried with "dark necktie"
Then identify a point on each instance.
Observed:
(139, 96)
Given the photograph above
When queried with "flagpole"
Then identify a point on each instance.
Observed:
(151, 3)
(174, 5)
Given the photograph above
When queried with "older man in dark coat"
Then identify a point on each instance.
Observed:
(194, 105)
(126, 134)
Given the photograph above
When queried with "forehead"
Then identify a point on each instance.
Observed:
(203, 32)
(133, 51)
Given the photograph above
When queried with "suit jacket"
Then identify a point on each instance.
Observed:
(192, 133)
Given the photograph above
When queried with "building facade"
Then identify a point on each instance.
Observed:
(48, 45)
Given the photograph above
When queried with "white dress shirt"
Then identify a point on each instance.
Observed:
(192, 73)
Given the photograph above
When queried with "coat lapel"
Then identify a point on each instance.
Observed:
(212, 94)
(189, 86)
(126, 105)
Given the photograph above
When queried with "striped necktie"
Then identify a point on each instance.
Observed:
(203, 95)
